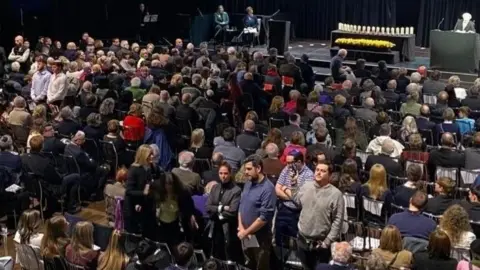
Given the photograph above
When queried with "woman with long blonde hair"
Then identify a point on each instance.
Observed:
(138, 203)
(80, 250)
(455, 223)
(55, 239)
(376, 188)
(409, 127)
(114, 256)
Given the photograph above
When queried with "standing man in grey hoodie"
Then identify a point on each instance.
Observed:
(321, 217)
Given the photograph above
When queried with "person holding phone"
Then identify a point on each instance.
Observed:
(296, 172)
(139, 210)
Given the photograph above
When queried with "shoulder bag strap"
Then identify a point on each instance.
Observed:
(393, 260)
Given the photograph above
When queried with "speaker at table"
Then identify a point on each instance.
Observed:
(279, 34)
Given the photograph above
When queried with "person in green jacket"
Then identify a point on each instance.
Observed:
(137, 92)
(221, 22)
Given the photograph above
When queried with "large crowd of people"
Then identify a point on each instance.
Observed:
(237, 156)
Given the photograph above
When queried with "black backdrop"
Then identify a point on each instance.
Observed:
(313, 19)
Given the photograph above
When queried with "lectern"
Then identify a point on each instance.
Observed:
(454, 51)
(279, 35)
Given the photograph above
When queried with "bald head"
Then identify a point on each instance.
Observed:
(347, 85)
(186, 98)
(392, 84)
(271, 150)
(164, 95)
(369, 103)
(217, 159)
(388, 147)
(425, 110)
(19, 40)
(442, 96)
(447, 139)
(249, 125)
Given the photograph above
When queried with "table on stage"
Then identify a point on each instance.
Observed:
(454, 51)
(404, 44)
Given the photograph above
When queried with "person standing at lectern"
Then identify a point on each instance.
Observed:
(221, 22)
(250, 22)
(465, 24)
(142, 12)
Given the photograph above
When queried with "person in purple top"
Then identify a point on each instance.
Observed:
(257, 205)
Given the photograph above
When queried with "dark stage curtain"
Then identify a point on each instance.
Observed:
(317, 18)
(432, 12)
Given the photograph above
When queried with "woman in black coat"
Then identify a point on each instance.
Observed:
(139, 211)
(222, 207)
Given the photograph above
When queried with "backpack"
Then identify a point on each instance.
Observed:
(159, 138)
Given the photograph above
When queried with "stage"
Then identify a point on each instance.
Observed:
(319, 55)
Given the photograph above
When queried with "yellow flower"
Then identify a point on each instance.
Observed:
(361, 42)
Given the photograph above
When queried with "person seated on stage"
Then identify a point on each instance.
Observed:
(465, 24)
(250, 22)
(221, 22)
(339, 72)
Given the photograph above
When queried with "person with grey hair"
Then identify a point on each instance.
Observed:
(391, 95)
(94, 129)
(137, 92)
(384, 158)
(412, 106)
(367, 113)
(89, 169)
(272, 166)
(67, 124)
(106, 110)
(19, 115)
(190, 180)
(416, 78)
(375, 145)
(473, 99)
(336, 67)
(341, 257)
(310, 137)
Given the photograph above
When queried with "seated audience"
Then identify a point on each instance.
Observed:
(444, 189)
(297, 143)
(391, 248)
(294, 126)
(376, 188)
(384, 158)
(414, 183)
(447, 156)
(448, 125)
(375, 145)
(437, 255)
(456, 224)
(55, 239)
(347, 151)
(411, 222)
(114, 256)
(341, 257)
(81, 250)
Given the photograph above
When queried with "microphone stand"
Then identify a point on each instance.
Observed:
(265, 20)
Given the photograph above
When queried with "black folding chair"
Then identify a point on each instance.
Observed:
(276, 123)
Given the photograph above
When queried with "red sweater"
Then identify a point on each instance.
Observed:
(133, 128)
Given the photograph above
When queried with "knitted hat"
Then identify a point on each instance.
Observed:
(6, 142)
